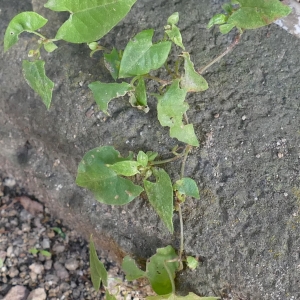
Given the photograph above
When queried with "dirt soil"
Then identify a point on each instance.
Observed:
(246, 227)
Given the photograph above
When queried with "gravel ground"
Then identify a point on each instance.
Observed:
(27, 226)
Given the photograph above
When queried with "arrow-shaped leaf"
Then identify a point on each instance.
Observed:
(104, 92)
(141, 56)
(98, 272)
(192, 81)
(112, 62)
(131, 269)
(35, 76)
(190, 296)
(170, 110)
(89, 20)
(160, 195)
(106, 185)
(25, 21)
(257, 13)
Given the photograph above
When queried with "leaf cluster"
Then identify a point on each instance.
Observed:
(108, 175)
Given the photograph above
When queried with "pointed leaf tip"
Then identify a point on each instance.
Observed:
(25, 21)
(35, 76)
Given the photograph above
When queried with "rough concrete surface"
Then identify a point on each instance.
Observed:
(246, 226)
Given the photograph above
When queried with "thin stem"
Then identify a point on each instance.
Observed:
(170, 72)
(181, 233)
(170, 276)
(177, 65)
(133, 80)
(36, 33)
(235, 42)
(161, 162)
(163, 82)
(186, 153)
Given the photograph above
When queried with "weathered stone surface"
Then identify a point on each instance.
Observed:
(246, 225)
(17, 293)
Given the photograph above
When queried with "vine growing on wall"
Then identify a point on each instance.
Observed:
(115, 179)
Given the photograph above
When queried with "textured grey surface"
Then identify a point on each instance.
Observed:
(246, 225)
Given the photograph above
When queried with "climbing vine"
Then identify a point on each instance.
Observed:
(115, 179)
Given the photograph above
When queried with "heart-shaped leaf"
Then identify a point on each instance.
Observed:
(89, 20)
(35, 76)
(160, 195)
(187, 186)
(106, 185)
(157, 273)
(141, 56)
(26, 21)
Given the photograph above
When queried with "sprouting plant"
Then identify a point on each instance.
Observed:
(35, 251)
(117, 180)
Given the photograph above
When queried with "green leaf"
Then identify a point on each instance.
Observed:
(112, 62)
(140, 92)
(225, 28)
(171, 105)
(192, 262)
(33, 251)
(59, 232)
(131, 270)
(141, 56)
(93, 46)
(125, 168)
(89, 20)
(98, 272)
(187, 186)
(34, 74)
(26, 21)
(50, 47)
(227, 8)
(190, 296)
(174, 34)
(142, 158)
(173, 19)
(105, 184)
(157, 273)
(217, 19)
(151, 155)
(257, 13)
(104, 92)
(192, 81)
(170, 110)
(138, 97)
(160, 195)
(184, 133)
(45, 253)
(109, 296)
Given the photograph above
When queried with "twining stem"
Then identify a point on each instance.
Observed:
(234, 43)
